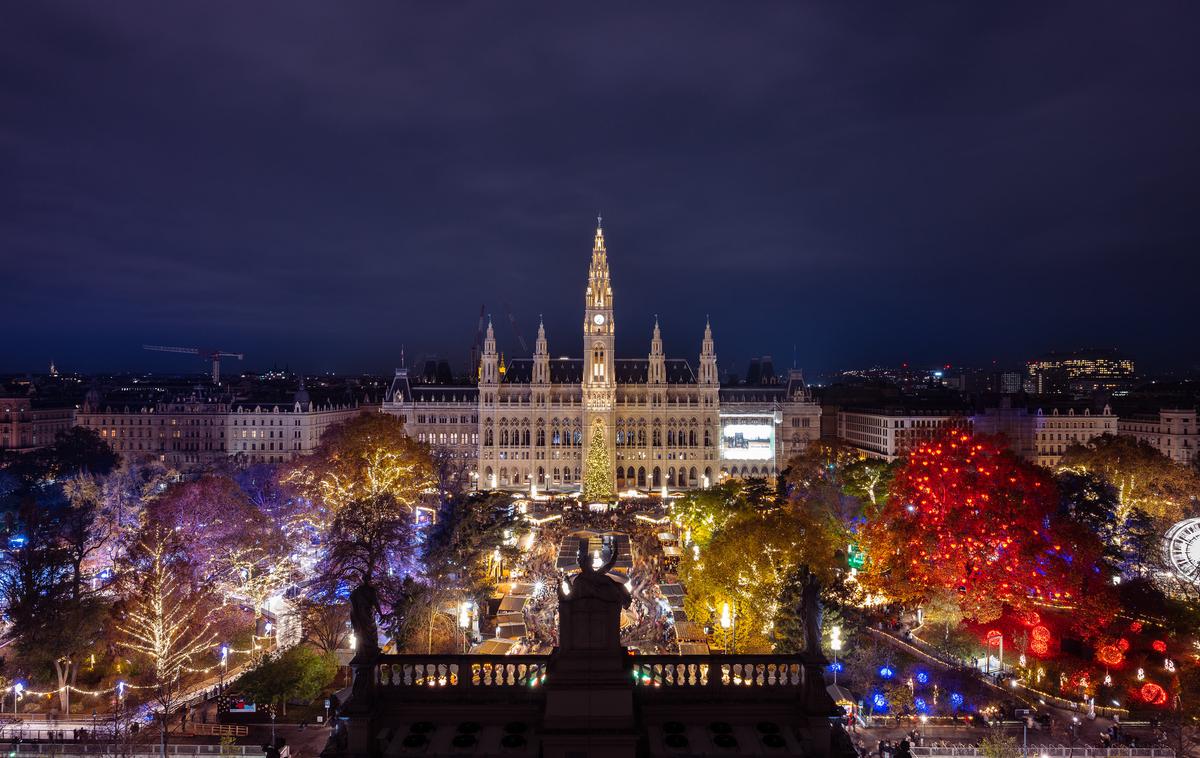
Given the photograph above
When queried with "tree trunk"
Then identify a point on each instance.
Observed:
(62, 670)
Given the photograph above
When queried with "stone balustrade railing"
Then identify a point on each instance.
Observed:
(719, 671)
(459, 672)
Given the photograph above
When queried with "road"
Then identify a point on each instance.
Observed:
(1087, 730)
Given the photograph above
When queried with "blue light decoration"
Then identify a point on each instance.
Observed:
(922, 677)
(879, 701)
(17, 541)
(920, 705)
(956, 699)
(886, 672)
(836, 666)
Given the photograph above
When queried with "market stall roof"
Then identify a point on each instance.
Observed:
(511, 604)
(539, 514)
(568, 549)
(689, 631)
(656, 516)
(693, 648)
(679, 614)
(492, 647)
(510, 618)
(671, 590)
(841, 695)
(667, 537)
(521, 590)
(672, 551)
(510, 631)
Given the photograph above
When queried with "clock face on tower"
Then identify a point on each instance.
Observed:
(599, 319)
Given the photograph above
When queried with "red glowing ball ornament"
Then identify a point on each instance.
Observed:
(1041, 633)
(1039, 647)
(1153, 694)
(1110, 655)
(1159, 646)
(1135, 627)
(1123, 644)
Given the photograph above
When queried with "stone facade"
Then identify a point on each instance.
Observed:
(888, 433)
(1173, 431)
(195, 431)
(529, 422)
(1042, 435)
(25, 427)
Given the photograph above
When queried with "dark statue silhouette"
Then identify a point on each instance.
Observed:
(595, 582)
(811, 612)
(364, 604)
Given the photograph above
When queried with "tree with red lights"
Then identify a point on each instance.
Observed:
(964, 514)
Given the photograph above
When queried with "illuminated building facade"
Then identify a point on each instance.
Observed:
(25, 426)
(1043, 434)
(195, 431)
(1080, 372)
(529, 422)
(889, 433)
(1174, 432)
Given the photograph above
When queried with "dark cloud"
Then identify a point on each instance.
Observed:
(319, 184)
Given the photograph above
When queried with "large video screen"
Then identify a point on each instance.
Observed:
(745, 441)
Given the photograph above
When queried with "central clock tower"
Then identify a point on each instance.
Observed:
(599, 379)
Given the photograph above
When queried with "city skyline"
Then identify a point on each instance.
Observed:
(870, 188)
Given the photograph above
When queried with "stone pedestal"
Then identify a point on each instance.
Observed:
(351, 737)
(589, 687)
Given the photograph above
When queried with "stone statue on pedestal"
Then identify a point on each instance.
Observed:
(810, 611)
(589, 611)
(595, 582)
(364, 604)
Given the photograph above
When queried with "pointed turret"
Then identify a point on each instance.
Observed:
(656, 371)
(301, 397)
(489, 366)
(599, 290)
(598, 329)
(541, 356)
(708, 358)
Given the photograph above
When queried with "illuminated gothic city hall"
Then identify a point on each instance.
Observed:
(602, 423)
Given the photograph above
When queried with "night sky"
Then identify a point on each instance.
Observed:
(318, 184)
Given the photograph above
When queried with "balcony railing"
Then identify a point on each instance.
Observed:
(394, 673)
(719, 671)
(488, 676)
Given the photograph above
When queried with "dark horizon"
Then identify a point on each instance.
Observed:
(318, 188)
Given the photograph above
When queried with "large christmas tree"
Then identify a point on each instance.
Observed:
(597, 469)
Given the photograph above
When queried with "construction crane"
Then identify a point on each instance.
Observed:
(477, 345)
(517, 332)
(207, 353)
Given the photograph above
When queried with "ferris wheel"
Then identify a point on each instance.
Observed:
(1181, 549)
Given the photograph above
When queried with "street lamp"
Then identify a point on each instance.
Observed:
(464, 620)
(224, 665)
(835, 644)
(729, 622)
(17, 689)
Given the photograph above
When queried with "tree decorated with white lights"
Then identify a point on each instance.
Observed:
(597, 469)
(164, 621)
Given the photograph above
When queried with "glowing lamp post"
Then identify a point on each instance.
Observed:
(17, 689)
(835, 644)
(729, 624)
(464, 620)
(994, 637)
(224, 665)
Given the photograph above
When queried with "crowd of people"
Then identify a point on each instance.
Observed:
(647, 624)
